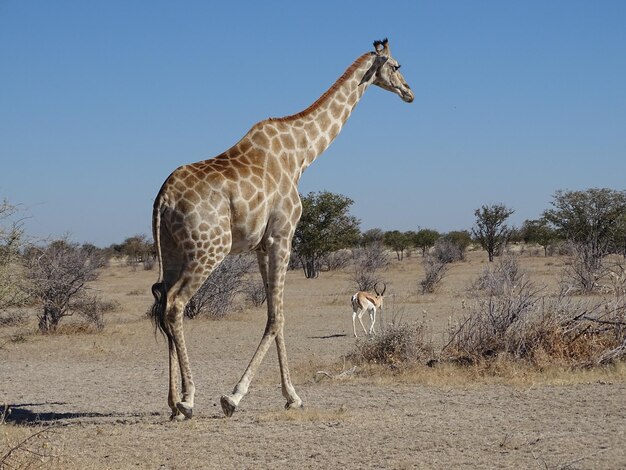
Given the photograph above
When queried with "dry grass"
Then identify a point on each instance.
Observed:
(304, 415)
(28, 448)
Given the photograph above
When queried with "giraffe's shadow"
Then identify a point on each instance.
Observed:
(340, 335)
(23, 414)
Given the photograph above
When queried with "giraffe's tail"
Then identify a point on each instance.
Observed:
(159, 289)
(157, 312)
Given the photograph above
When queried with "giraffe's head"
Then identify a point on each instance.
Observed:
(385, 72)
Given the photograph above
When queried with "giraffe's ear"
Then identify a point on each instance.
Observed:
(378, 63)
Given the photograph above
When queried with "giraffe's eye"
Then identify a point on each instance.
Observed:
(396, 67)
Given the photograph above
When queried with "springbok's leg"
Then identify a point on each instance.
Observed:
(372, 313)
(354, 323)
(360, 316)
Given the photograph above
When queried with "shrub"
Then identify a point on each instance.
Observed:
(215, 297)
(398, 343)
(369, 262)
(435, 270)
(447, 251)
(513, 320)
(92, 309)
(57, 277)
(254, 291)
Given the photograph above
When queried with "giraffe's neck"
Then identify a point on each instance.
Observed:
(314, 129)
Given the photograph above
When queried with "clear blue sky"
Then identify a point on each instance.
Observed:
(100, 101)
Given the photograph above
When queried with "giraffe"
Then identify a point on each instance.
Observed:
(246, 199)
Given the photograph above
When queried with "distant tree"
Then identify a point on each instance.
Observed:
(538, 231)
(425, 239)
(11, 239)
(594, 217)
(373, 235)
(619, 242)
(460, 238)
(325, 226)
(398, 242)
(490, 230)
(56, 277)
(137, 249)
(593, 221)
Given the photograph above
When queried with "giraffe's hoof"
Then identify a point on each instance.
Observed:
(296, 405)
(177, 416)
(185, 409)
(228, 405)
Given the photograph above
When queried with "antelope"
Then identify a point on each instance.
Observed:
(366, 302)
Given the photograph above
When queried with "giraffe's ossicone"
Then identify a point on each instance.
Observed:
(246, 199)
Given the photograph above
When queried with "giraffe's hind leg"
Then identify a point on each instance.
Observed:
(185, 278)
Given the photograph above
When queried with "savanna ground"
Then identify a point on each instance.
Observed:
(99, 400)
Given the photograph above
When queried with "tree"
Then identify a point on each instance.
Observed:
(593, 221)
(490, 230)
(56, 277)
(593, 217)
(11, 235)
(137, 249)
(373, 235)
(325, 226)
(397, 241)
(539, 232)
(425, 239)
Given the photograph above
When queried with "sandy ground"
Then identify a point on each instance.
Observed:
(103, 396)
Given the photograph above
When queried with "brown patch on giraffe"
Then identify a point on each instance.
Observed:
(324, 120)
(276, 146)
(287, 141)
(247, 191)
(312, 130)
(192, 196)
(270, 130)
(244, 145)
(260, 139)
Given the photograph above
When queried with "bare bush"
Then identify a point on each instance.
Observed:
(399, 343)
(92, 309)
(369, 262)
(586, 270)
(12, 318)
(335, 260)
(434, 272)
(254, 291)
(215, 297)
(504, 276)
(57, 277)
(447, 251)
(148, 263)
(513, 320)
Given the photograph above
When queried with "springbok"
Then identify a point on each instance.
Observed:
(366, 302)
